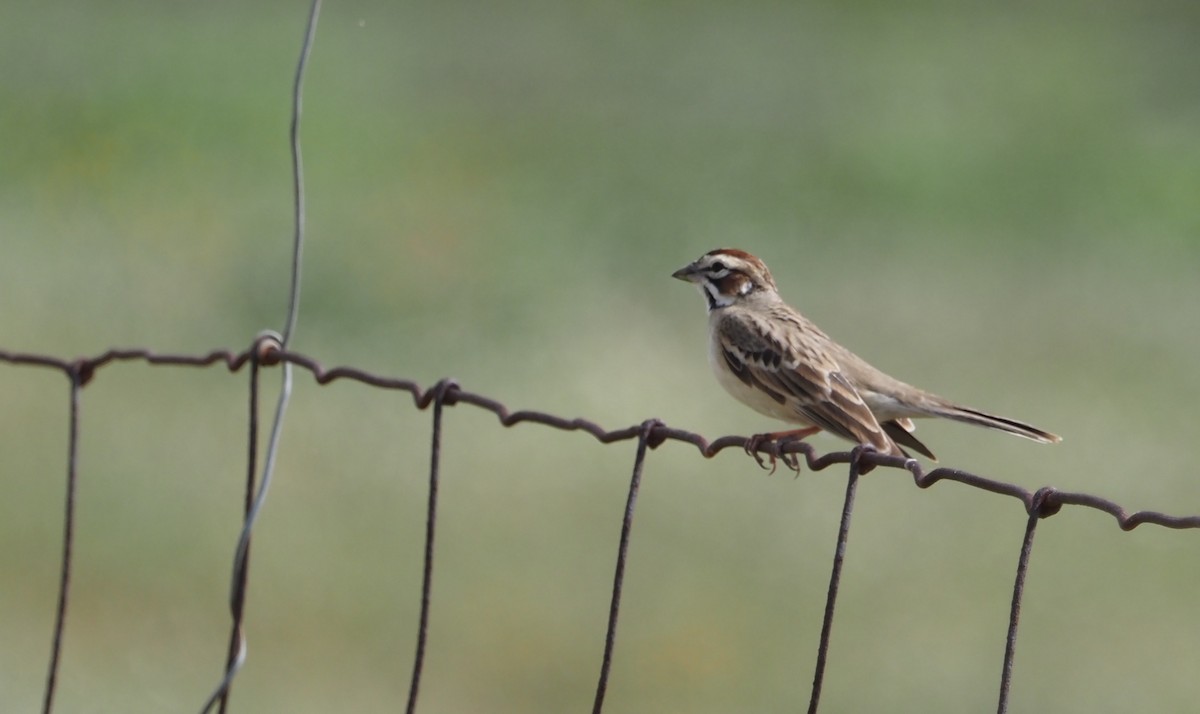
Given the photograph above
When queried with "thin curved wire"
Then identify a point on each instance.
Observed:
(238, 579)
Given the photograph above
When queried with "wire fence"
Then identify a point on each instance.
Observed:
(267, 351)
(270, 350)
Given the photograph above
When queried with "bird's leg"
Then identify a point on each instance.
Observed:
(775, 439)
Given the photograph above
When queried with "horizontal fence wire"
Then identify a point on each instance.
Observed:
(268, 351)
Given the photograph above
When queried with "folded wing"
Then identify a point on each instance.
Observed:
(799, 376)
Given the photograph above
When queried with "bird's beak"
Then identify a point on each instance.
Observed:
(687, 273)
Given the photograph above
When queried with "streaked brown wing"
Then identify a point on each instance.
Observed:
(807, 379)
(737, 364)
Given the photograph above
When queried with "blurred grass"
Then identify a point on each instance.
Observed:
(996, 202)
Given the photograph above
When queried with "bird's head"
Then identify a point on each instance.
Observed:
(728, 276)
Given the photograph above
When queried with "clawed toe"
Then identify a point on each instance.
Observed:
(774, 443)
(754, 443)
(792, 461)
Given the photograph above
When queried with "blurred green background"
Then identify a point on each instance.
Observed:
(994, 201)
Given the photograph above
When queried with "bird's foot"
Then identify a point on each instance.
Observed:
(772, 442)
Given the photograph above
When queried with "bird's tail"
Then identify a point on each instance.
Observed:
(991, 421)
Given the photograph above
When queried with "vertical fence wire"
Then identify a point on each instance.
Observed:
(1038, 509)
(64, 581)
(610, 633)
(835, 579)
(441, 391)
(298, 208)
(238, 602)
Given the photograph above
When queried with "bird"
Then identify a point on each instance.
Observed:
(779, 363)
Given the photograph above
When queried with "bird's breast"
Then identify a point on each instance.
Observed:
(747, 394)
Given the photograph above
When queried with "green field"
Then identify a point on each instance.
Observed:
(998, 202)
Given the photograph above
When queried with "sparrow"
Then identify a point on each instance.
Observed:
(777, 362)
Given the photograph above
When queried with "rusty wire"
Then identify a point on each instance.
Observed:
(614, 607)
(267, 351)
(64, 583)
(270, 354)
(241, 576)
(435, 457)
(835, 579)
(1039, 509)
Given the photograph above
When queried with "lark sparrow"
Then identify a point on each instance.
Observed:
(777, 362)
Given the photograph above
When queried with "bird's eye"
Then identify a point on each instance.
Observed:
(718, 267)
